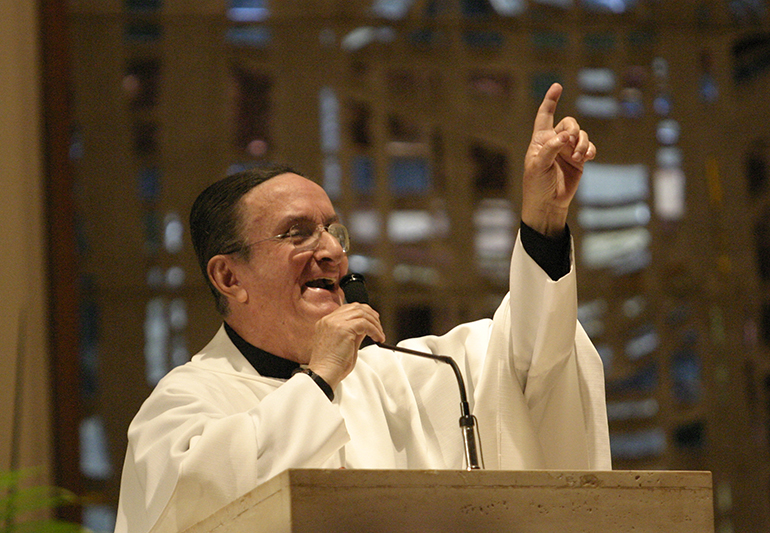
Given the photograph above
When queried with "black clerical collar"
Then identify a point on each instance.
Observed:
(265, 363)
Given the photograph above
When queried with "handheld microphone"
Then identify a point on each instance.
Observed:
(354, 287)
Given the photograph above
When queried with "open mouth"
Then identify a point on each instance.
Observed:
(322, 283)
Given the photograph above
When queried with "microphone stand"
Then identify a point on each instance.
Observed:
(354, 286)
(467, 420)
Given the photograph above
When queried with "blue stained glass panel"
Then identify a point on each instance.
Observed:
(409, 175)
(643, 343)
(94, 457)
(645, 379)
(748, 10)
(708, 89)
(149, 184)
(686, 377)
(248, 10)
(363, 174)
(173, 233)
(638, 444)
(241, 166)
(509, 8)
(77, 146)
(609, 6)
(632, 409)
(89, 337)
(152, 232)
(249, 36)
(332, 181)
(631, 102)
(156, 338)
(392, 9)
(99, 518)
(329, 111)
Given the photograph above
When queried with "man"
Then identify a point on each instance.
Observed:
(283, 383)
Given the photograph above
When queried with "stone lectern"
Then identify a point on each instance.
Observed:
(427, 501)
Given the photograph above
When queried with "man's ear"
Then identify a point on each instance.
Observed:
(223, 275)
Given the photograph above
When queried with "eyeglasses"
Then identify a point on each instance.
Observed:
(306, 236)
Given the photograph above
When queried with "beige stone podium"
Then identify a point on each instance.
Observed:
(446, 501)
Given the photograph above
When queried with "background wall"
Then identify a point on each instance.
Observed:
(414, 120)
(23, 320)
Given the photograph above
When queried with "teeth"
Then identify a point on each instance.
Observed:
(321, 283)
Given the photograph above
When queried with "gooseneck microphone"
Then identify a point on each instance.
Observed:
(354, 287)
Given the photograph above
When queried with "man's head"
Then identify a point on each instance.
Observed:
(215, 221)
(272, 287)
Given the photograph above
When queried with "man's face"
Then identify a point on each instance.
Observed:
(288, 290)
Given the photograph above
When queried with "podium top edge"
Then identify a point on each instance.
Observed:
(682, 479)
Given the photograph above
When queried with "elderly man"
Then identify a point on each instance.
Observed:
(283, 383)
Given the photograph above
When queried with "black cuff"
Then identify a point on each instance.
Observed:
(321, 382)
(552, 255)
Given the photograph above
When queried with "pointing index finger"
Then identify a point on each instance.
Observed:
(547, 109)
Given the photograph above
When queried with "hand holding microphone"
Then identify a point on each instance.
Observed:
(336, 339)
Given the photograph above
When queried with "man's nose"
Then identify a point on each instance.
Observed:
(329, 247)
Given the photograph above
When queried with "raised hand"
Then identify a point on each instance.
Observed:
(553, 166)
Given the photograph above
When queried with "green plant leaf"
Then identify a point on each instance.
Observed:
(47, 526)
(33, 498)
(19, 497)
(10, 479)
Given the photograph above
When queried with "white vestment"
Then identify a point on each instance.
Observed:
(213, 429)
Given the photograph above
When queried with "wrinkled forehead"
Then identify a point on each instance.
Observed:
(285, 198)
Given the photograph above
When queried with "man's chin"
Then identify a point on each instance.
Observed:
(322, 301)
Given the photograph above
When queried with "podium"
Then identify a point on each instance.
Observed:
(446, 501)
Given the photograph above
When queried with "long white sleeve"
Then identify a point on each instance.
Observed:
(541, 378)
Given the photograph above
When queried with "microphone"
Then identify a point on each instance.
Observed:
(354, 287)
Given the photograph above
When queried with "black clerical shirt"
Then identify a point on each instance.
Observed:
(267, 364)
(552, 255)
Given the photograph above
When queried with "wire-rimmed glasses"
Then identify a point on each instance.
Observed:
(305, 236)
